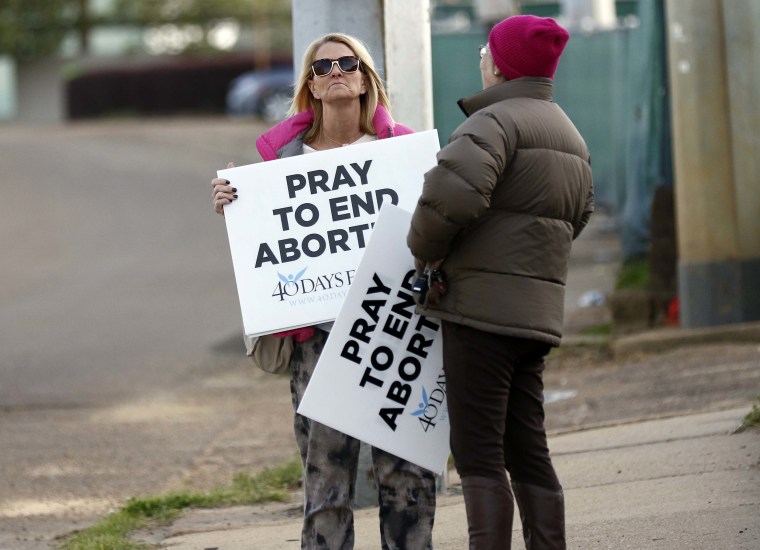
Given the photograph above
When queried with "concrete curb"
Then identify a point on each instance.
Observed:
(665, 339)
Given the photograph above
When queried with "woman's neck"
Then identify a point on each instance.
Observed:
(341, 125)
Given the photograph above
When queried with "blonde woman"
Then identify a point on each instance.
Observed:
(340, 100)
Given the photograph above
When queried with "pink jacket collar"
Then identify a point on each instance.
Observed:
(269, 143)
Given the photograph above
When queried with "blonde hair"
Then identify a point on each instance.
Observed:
(303, 99)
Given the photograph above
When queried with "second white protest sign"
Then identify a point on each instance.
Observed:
(380, 376)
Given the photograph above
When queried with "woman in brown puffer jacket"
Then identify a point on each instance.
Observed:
(498, 215)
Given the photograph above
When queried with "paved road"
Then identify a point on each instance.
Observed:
(115, 272)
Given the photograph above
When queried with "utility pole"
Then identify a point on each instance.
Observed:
(408, 62)
(714, 66)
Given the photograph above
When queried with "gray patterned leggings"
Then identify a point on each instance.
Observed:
(330, 462)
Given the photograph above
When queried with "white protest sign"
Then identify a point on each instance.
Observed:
(380, 376)
(300, 225)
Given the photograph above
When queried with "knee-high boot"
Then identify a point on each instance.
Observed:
(490, 509)
(542, 512)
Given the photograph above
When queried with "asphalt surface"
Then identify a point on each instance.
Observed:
(121, 367)
(109, 256)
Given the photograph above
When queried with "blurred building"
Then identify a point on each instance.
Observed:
(113, 36)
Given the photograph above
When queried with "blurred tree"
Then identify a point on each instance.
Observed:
(153, 12)
(33, 28)
(270, 19)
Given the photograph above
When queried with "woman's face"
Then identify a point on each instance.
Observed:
(488, 70)
(336, 86)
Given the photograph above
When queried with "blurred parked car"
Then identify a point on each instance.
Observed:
(265, 93)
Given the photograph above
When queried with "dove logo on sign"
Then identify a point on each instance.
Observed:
(291, 285)
(433, 409)
(291, 279)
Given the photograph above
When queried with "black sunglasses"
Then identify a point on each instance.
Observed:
(346, 64)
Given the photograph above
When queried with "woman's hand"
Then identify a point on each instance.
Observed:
(222, 193)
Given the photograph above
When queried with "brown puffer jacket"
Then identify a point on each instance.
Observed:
(511, 191)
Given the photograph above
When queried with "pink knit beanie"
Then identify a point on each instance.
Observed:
(526, 45)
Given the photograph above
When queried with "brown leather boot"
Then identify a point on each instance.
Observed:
(490, 510)
(542, 512)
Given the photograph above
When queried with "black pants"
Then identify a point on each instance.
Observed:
(495, 394)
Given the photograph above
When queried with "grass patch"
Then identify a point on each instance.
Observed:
(635, 273)
(112, 533)
(598, 330)
(753, 417)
